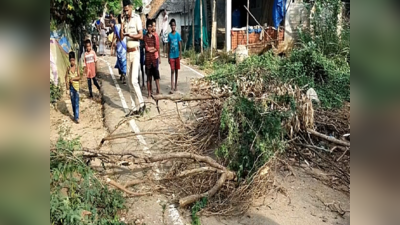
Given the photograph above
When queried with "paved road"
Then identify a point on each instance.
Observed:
(117, 102)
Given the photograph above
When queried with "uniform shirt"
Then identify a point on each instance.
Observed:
(173, 40)
(133, 27)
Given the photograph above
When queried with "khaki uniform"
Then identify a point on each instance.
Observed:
(133, 59)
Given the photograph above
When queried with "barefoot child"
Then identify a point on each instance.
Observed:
(151, 59)
(174, 55)
(72, 79)
(90, 67)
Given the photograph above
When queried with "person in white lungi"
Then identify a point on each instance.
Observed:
(131, 28)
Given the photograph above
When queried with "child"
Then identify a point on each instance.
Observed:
(174, 54)
(142, 58)
(90, 67)
(157, 40)
(72, 79)
(151, 60)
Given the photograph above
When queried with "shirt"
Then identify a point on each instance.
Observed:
(90, 57)
(72, 75)
(150, 42)
(133, 27)
(157, 44)
(165, 24)
(173, 40)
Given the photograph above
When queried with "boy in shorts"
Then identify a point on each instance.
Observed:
(151, 61)
(174, 51)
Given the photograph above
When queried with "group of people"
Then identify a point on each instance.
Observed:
(135, 47)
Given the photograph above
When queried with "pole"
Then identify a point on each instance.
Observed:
(228, 27)
(214, 27)
(248, 5)
(184, 20)
(194, 6)
(248, 11)
(201, 26)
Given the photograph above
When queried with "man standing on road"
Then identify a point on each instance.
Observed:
(131, 28)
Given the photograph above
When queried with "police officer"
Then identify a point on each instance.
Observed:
(131, 28)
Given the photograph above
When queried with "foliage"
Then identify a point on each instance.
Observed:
(199, 205)
(55, 92)
(204, 60)
(253, 135)
(78, 13)
(74, 190)
(323, 29)
(329, 77)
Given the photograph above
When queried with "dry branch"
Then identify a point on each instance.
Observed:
(122, 188)
(131, 134)
(193, 198)
(198, 170)
(187, 98)
(134, 182)
(331, 139)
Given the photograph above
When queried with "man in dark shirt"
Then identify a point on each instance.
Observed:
(151, 61)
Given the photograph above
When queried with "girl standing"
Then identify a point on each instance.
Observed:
(72, 79)
(90, 67)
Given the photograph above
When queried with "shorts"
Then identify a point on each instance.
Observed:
(153, 71)
(175, 64)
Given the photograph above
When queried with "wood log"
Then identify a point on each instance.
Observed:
(331, 139)
(193, 198)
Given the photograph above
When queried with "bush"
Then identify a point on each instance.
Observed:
(252, 135)
(329, 77)
(74, 189)
(55, 93)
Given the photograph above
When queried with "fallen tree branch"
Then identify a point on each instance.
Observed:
(178, 98)
(132, 134)
(331, 139)
(193, 198)
(134, 182)
(122, 188)
(198, 170)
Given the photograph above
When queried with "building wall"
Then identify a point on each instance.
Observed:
(256, 45)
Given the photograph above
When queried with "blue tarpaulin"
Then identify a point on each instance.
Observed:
(278, 12)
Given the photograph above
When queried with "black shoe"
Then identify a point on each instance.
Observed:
(142, 110)
(132, 113)
(120, 78)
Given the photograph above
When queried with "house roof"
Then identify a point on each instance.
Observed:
(172, 6)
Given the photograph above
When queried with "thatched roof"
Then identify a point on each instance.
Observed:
(155, 7)
(172, 6)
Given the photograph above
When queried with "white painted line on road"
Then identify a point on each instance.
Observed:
(174, 214)
(193, 70)
(132, 123)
